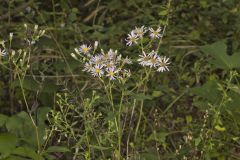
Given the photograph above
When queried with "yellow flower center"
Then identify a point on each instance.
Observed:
(162, 64)
(155, 33)
(85, 49)
(97, 70)
(111, 73)
(153, 60)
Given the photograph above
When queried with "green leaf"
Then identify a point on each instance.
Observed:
(100, 147)
(218, 51)
(7, 143)
(27, 152)
(57, 149)
(49, 87)
(163, 13)
(142, 96)
(208, 91)
(28, 83)
(156, 94)
(235, 88)
(3, 119)
(189, 119)
(14, 124)
(160, 137)
(197, 141)
(219, 128)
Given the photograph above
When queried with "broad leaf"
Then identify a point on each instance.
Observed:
(7, 143)
(208, 91)
(218, 51)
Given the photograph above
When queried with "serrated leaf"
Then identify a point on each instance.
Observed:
(218, 51)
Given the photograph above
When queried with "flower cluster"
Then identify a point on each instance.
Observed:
(153, 60)
(139, 32)
(104, 64)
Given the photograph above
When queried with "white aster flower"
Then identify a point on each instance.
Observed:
(155, 33)
(163, 63)
(126, 73)
(153, 59)
(3, 52)
(112, 54)
(87, 67)
(127, 61)
(119, 58)
(132, 38)
(111, 73)
(143, 60)
(140, 31)
(109, 64)
(85, 49)
(97, 59)
(97, 71)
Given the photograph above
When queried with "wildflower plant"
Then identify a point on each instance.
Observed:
(111, 69)
(103, 65)
(17, 61)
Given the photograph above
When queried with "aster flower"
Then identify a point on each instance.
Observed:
(153, 59)
(140, 31)
(97, 71)
(126, 73)
(85, 49)
(143, 60)
(88, 67)
(3, 52)
(112, 54)
(127, 61)
(97, 59)
(109, 64)
(119, 58)
(163, 64)
(111, 73)
(155, 33)
(132, 38)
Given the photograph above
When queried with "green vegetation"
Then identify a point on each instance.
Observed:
(172, 94)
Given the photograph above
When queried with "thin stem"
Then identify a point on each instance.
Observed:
(119, 128)
(142, 102)
(130, 123)
(165, 27)
(29, 113)
(139, 120)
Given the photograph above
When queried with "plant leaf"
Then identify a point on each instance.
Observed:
(57, 149)
(218, 51)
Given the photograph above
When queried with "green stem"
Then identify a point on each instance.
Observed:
(142, 102)
(119, 127)
(29, 113)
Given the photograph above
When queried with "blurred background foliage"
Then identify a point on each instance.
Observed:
(202, 40)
